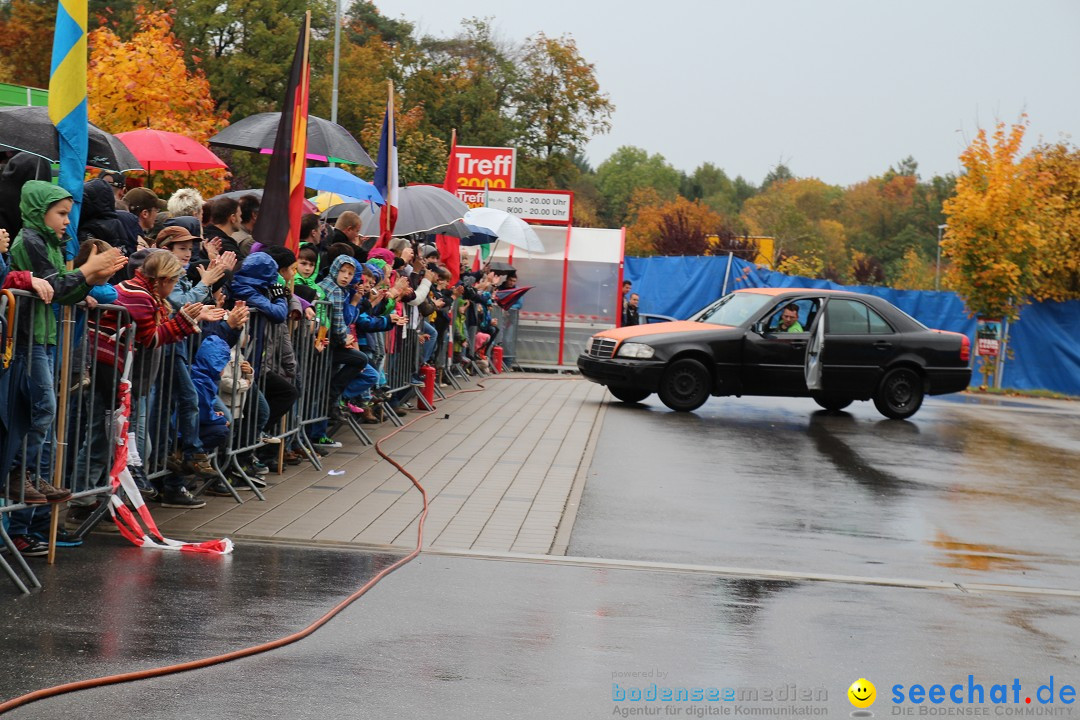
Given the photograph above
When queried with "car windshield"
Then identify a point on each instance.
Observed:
(733, 309)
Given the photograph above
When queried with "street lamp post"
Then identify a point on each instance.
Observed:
(337, 58)
(937, 269)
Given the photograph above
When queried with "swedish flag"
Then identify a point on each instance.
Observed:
(67, 97)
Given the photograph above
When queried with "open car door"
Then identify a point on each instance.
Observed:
(814, 348)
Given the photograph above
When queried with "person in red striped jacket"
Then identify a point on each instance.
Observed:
(145, 296)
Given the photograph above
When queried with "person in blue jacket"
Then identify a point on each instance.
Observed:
(256, 284)
(206, 370)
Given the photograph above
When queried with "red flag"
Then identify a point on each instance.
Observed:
(450, 247)
(386, 173)
(278, 222)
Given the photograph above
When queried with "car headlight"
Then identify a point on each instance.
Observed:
(640, 351)
(588, 346)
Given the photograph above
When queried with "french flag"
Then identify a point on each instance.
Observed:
(386, 174)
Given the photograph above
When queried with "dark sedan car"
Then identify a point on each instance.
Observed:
(841, 347)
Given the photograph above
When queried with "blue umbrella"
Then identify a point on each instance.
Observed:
(341, 182)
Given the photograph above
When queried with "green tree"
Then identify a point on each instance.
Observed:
(246, 47)
(779, 173)
(628, 169)
(365, 23)
(713, 187)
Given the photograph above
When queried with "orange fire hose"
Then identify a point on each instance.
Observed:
(264, 647)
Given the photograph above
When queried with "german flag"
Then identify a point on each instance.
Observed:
(278, 222)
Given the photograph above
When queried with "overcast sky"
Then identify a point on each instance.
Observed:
(836, 89)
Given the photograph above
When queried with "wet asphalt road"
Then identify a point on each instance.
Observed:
(454, 637)
(965, 494)
(966, 491)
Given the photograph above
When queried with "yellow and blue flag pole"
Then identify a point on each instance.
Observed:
(68, 112)
(67, 98)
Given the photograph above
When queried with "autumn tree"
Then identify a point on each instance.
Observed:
(885, 215)
(809, 266)
(26, 35)
(363, 70)
(421, 156)
(679, 227)
(1058, 202)
(467, 82)
(558, 106)
(994, 236)
(143, 82)
(867, 270)
(914, 272)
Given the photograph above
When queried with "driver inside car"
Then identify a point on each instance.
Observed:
(789, 319)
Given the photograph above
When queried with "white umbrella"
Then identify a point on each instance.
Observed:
(510, 229)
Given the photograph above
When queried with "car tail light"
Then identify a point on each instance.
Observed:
(965, 348)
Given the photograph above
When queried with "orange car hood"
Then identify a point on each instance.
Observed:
(637, 331)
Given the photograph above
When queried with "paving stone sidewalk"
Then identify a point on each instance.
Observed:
(498, 472)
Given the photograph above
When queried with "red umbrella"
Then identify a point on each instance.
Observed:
(160, 150)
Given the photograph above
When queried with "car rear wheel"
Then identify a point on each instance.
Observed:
(832, 402)
(628, 394)
(900, 394)
(686, 385)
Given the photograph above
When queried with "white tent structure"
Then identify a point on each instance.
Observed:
(576, 283)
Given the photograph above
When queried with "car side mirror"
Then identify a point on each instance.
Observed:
(758, 327)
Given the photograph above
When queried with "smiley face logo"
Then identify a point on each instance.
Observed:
(862, 693)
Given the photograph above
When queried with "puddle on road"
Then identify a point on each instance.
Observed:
(979, 557)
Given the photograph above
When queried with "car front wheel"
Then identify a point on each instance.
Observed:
(900, 394)
(686, 385)
(831, 402)
(628, 394)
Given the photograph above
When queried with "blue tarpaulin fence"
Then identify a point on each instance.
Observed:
(1044, 344)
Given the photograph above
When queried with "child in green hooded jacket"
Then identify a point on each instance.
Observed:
(39, 249)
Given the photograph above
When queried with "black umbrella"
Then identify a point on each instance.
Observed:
(469, 235)
(30, 130)
(326, 140)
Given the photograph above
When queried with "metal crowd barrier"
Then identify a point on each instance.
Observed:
(82, 398)
(291, 379)
(314, 369)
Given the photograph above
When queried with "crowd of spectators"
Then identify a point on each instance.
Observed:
(186, 269)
